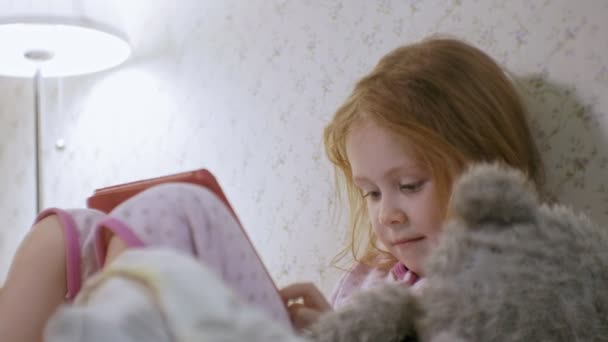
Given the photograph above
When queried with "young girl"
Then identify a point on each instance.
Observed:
(408, 129)
(402, 137)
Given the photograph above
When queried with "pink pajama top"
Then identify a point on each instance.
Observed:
(184, 217)
(362, 277)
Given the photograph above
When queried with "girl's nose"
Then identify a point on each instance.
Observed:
(391, 214)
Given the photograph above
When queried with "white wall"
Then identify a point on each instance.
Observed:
(17, 177)
(245, 88)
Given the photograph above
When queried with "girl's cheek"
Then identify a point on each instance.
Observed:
(373, 217)
(435, 238)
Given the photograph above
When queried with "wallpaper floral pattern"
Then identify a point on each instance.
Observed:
(245, 88)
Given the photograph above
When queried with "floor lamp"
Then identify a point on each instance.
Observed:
(37, 48)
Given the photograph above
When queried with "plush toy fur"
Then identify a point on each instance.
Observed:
(507, 268)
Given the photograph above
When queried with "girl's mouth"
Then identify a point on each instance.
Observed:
(407, 241)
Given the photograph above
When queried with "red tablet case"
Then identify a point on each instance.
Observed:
(106, 199)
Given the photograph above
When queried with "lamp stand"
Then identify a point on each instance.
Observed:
(59, 47)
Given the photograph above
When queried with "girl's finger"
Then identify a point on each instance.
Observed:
(301, 316)
(309, 293)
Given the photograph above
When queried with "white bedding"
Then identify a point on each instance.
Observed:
(158, 295)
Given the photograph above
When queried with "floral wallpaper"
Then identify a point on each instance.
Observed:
(245, 89)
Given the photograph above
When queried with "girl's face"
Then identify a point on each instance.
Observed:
(403, 206)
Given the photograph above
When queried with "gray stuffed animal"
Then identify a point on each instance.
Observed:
(507, 268)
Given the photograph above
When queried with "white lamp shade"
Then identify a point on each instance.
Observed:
(57, 49)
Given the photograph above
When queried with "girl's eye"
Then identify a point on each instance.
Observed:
(412, 187)
(373, 195)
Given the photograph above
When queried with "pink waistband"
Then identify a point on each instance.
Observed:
(120, 229)
(72, 249)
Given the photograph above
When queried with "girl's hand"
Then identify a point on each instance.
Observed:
(305, 303)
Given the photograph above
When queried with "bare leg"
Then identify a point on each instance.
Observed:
(36, 284)
(116, 246)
